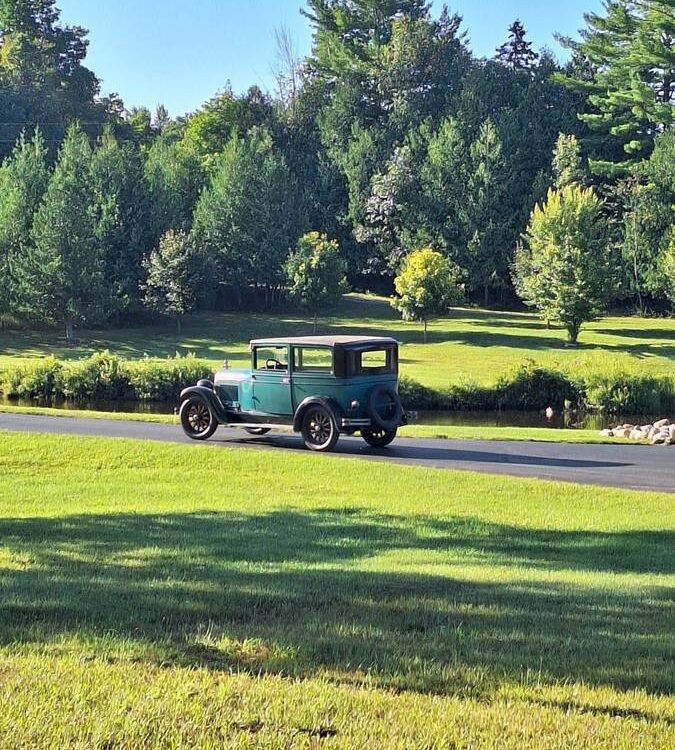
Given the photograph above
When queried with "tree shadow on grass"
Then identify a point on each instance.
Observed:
(297, 593)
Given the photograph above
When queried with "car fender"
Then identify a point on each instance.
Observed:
(329, 403)
(210, 396)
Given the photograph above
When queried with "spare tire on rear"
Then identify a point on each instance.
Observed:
(384, 407)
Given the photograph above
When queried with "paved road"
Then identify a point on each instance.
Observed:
(631, 466)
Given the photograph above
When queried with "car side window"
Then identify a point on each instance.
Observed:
(312, 359)
(270, 358)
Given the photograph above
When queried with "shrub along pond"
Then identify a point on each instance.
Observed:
(529, 389)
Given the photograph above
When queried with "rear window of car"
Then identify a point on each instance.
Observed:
(380, 361)
(312, 359)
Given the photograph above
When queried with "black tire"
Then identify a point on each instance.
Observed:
(257, 430)
(378, 437)
(319, 429)
(197, 418)
(384, 408)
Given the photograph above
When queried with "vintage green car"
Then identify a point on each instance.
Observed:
(320, 386)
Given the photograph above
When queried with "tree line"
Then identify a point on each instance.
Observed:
(390, 137)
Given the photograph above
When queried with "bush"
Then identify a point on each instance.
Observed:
(42, 378)
(163, 380)
(533, 387)
(630, 393)
(103, 377)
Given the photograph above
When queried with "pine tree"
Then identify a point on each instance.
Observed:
(23, 180)
(487, 262)
(627, 72)
(245, 220)
(68, 281)
(121, 205)
(174, 180)
(517, 53)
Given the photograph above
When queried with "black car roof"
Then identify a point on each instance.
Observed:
(325, 340)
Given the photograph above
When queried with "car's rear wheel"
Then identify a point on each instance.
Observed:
(197, 418)
(378, 437)
(257, 430)
(319, 429)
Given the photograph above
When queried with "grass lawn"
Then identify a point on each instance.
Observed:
(474, 344)
(169, 596)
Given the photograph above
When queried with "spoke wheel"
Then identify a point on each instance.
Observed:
(378, 437)
(319, 430)
(197, 419)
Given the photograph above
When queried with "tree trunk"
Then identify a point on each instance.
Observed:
(179, 324)
(486, 295)
(573, 333)
(425, 330)
(70, 330)
(315, 318)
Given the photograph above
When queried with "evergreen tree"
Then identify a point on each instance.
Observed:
(23, 181)
(517, 53)
(444, 175)
(67, 266)
(121, 206)
(628, 76)
(174, 180)
(246, 220)
(487, 259)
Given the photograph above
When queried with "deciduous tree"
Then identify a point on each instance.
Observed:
(426, 286)
(316, 273)
(564, 267)
(175, 276)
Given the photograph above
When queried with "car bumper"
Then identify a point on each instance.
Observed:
(353, 424)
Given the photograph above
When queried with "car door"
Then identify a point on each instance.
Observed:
(271, 381)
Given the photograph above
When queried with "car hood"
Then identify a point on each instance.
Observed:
(231, 376)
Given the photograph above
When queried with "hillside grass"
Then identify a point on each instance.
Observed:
(472, 344)
(180, 596)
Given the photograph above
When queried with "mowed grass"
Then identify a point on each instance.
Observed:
(471, 344)
(181, 596)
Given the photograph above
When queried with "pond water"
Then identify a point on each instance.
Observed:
(560, 420)
(506, 418)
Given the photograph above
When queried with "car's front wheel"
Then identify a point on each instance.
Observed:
(319, 429)
(197, 418)
(378, 437)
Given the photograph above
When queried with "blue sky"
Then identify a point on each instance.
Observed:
(180, 52)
